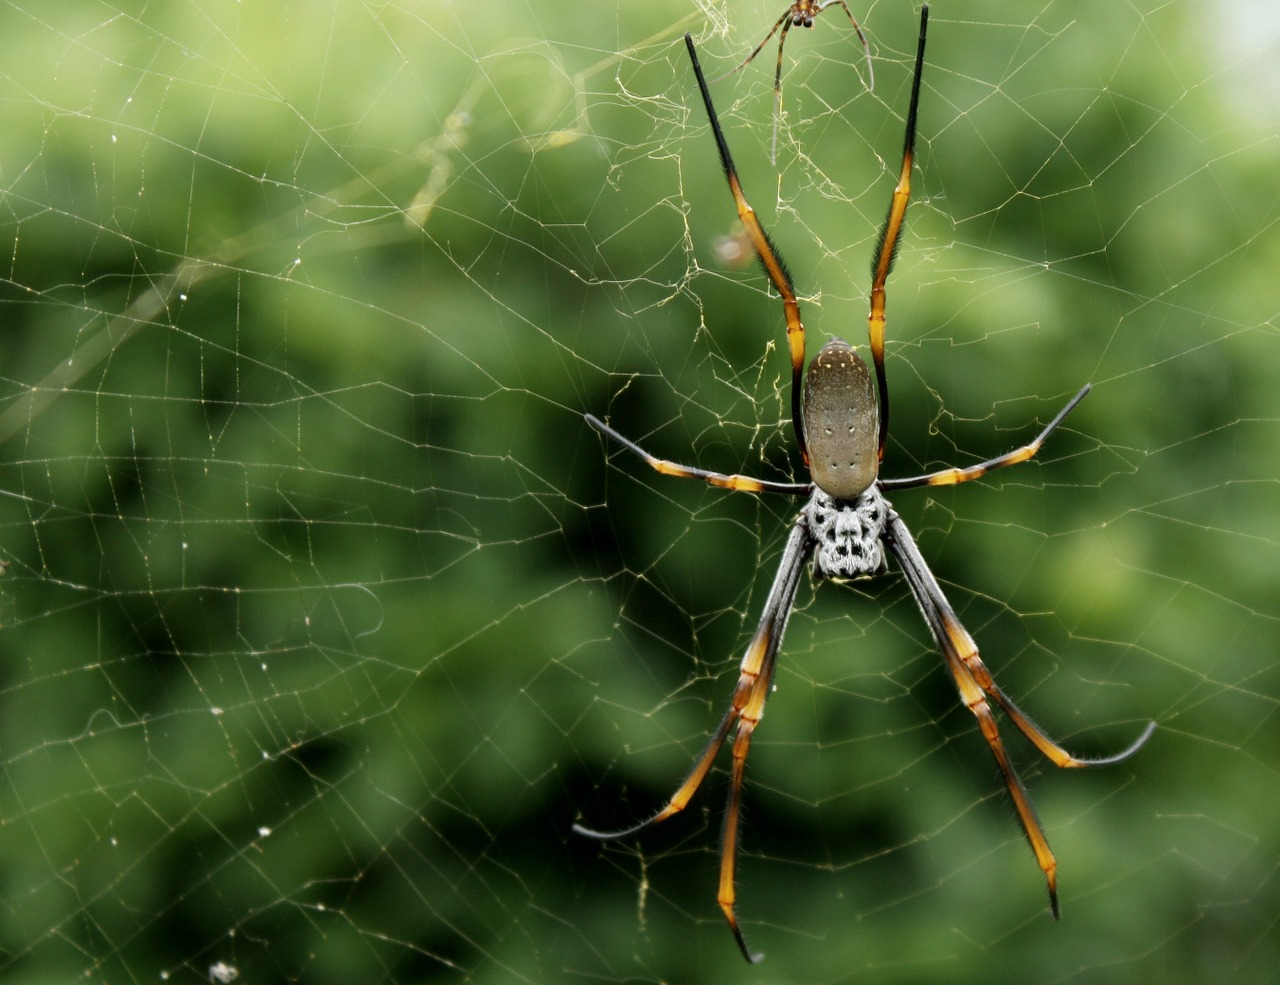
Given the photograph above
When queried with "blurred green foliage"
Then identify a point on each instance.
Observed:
(325, 614)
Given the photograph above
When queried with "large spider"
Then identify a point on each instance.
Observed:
(799, 14)
(845, 525)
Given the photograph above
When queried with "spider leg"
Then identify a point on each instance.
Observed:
(746, 709)
(887, 246)
(770, 259)
(866, 49)
(1051, 750)
(758, 48)
(777, 93)
(740, 483)
(680, 799)
(975, 683)
(764, 649)
(950, 477)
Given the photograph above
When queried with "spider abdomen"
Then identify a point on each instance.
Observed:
(847, 534)
(841, 422)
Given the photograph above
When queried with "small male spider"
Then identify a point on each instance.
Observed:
(845, 525)
(799, 14)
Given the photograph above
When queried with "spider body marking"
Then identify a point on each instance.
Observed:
(845, 526)
(847, 535)
(841, 421)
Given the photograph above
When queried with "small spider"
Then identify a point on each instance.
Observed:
(846, 523)
(799, 14)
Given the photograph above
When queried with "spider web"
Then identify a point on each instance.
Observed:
(324, 615)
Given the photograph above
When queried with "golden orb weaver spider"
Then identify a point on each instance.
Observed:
(799, 14)
(845, 525)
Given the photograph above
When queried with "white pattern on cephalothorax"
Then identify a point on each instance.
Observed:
(847, 534)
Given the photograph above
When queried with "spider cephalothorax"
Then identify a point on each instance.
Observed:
(847, 534)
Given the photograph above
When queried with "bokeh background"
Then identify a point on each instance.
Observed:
(324, 615)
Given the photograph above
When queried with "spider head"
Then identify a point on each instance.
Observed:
(841, 422)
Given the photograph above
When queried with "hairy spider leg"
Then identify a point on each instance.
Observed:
(887, 244)
(975, 684)
(954, 476)
(769, 256)
(755, 681)
(741, 483)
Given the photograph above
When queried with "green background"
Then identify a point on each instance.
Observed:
(325, 615)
